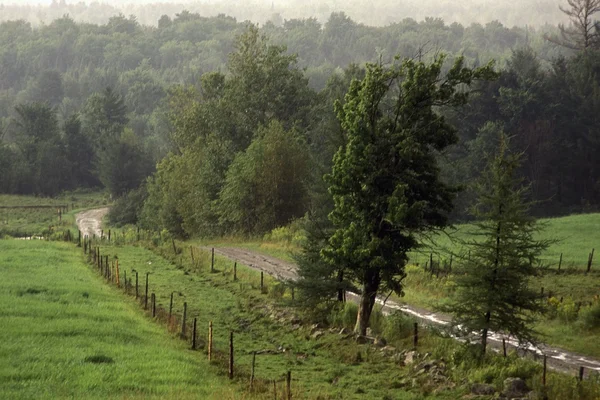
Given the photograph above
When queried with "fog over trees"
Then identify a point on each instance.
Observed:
(378, 12)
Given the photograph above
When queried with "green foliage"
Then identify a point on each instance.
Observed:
(266, 186)
(385, 181)
(127, 209)
(493, 291)
(123, 164)
(590, 316)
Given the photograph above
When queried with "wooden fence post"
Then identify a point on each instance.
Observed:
(210, 340)
(212, 260)
(117, 274)
(504, 347)
(146, 296)
(235, 271)
(581, 371)
(262, 281)
(171, 307)
(192, 254)
(194, 334)
(252, 369)
(109, 236)
(174, 247)
(416, 335)
(560, 261)
(153, 305)
(231, 355)
(590, 259)
(184, 318)
(288, 385)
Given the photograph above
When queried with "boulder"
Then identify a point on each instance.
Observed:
(515, 388)
(482, 389)
(410, 357)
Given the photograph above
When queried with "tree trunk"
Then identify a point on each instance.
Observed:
(341, 292)
(484, 333)
(366, 303)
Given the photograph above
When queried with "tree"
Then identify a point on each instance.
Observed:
(385, 181)
(582, 33)
(265, 186)
(104, 117)
(124, 165)
(493, 292)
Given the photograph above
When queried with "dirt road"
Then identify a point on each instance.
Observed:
(90, 222)
(282, 270)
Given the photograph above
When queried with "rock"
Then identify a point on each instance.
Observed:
(483, 389)
(317, 334)
(515, 388)
(388, 350)
(410, 357)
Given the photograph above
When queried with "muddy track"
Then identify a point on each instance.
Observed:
(90, 223)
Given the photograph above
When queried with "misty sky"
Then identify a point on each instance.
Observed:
(370, 12)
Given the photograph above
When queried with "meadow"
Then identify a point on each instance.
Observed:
(25, 222)
(65, 334)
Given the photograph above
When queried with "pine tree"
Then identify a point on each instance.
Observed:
(493, 292)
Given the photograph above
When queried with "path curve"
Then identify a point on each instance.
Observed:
(90, 222)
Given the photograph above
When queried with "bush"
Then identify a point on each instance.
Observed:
(590, 316)
(127, 209)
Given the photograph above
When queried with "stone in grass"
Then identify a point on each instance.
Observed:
(483, 389)
(410, 357)
(515, 388)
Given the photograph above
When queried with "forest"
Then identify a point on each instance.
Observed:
(206, 125)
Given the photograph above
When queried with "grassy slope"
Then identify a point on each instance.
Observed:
(36, 222)
(577, 235)
(54, 313)
(239, 307)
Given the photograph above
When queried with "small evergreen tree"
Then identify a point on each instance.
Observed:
(493, 292)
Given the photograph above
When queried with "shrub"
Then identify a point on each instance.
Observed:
(590, 316)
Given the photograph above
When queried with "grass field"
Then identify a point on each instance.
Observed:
(65, 334)
(22, 222)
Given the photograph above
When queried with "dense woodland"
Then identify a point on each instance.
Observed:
(207, 126)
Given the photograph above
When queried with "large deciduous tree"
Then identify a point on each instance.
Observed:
(385, 181)
(493, 292)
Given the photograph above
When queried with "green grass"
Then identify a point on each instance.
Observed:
(65, 334)
(18, 222)
(577, 236)
(324, 368)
